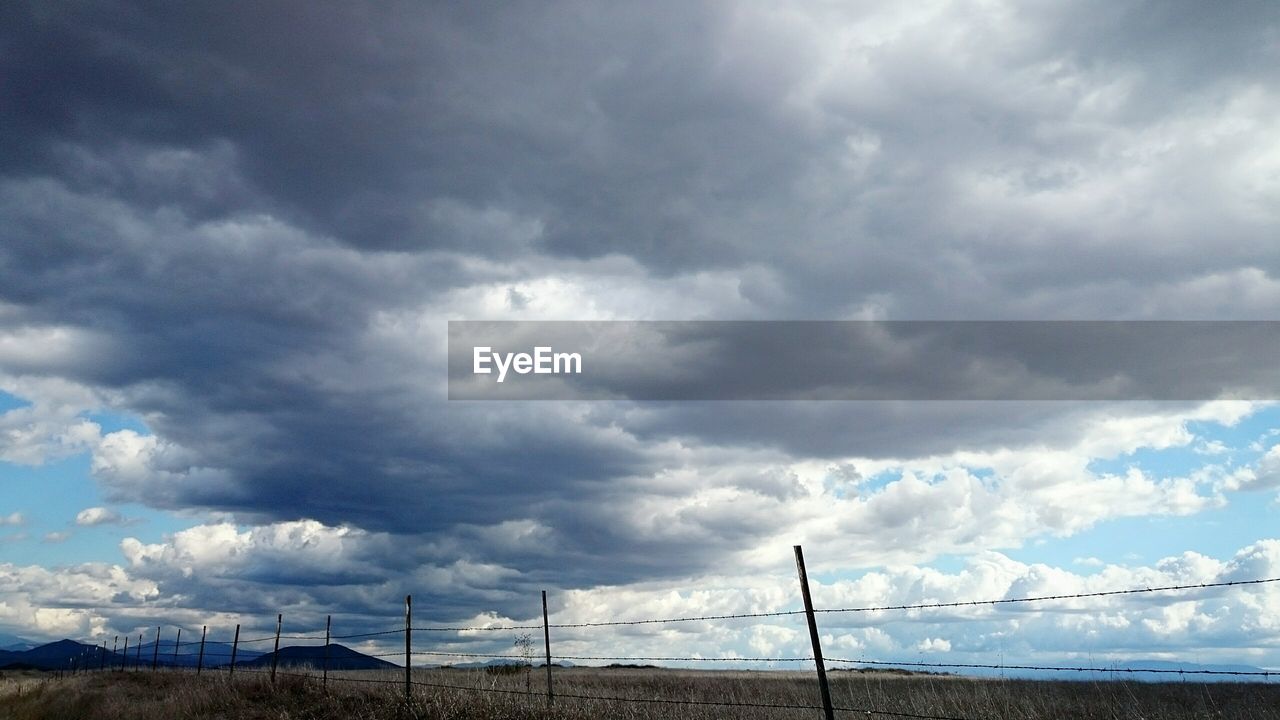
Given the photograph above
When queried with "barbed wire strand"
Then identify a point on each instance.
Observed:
(1044, 598)
(783, 613)
(442, 653)
(397, 631)
(1059, 668)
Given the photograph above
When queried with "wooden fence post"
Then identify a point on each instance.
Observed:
(177, 642)
(115, 642)
(546, 643)
(408, 648)
(155, 652)
(137, 655)
(275, 654)
(124, 657)
(235, 645)
(204, 631)
(827, 710)
(328, 623)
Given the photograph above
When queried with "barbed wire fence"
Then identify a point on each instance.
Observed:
(216, 657)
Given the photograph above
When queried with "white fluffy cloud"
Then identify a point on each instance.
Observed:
(1265, 475)
(297, 551)
(80, 601)
(131, 465)
(186, 578)
(1221, 624)
(51, 427)
(90, 517)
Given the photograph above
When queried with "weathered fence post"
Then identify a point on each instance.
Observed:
(408, 647)
(546, 643)
(275, 654)
(827, 710)
(177, 642)
(124, 657)
(137, 655)
(235, 645)
(328, 623)
(204, 631)
(155, 652)
(115, 642)
(103, 664)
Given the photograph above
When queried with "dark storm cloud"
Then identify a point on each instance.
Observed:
(352, 119)
(241, 213)
(666, 134)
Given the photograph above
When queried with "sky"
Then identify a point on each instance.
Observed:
(232, 237)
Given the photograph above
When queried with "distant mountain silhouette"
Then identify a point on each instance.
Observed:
(340, 658)
(500, 662)
(54, 656)
(13, 643)
(60, 655)
(1165, 665)
(216, 654)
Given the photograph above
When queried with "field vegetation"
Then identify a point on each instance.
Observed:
(378, 695)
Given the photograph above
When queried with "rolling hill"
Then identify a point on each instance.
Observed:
(340, 658)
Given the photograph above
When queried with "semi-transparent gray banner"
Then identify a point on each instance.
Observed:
(864, 360)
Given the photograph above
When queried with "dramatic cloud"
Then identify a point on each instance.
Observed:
(244, 228)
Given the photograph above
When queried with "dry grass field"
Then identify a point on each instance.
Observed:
(377, 696)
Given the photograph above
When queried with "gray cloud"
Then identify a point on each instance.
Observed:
(247, 226)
